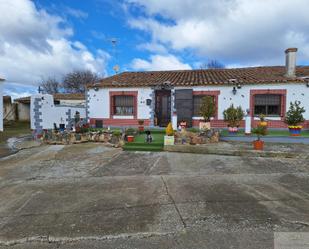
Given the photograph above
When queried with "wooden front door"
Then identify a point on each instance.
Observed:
(163, 107)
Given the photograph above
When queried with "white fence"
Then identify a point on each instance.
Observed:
(44, 114)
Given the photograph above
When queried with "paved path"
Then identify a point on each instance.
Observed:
(268, 139)
(91, 196)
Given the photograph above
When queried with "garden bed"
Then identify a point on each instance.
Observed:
(270, 133)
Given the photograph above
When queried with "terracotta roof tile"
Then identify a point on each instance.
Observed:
(57, 96)
(250, 75)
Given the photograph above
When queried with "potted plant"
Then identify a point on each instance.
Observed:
(141, 125)
(169, 138)
(259, 131)
(233, 116)
(207, 110)
(294, 117)
(130, 132)
(263, 121)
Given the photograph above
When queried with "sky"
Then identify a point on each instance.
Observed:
(49, 38)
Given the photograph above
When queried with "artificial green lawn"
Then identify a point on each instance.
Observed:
(139, 143)
(274, 133)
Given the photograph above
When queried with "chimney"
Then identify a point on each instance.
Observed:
(290, 62)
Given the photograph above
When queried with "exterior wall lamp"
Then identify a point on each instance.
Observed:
(307, 84)
(238, 86)
(234, 90)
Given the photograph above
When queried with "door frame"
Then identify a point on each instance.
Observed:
(158, 107)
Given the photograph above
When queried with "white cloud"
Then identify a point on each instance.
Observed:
(159, 62)
(236, 31)
(35, 44)
(152, 47)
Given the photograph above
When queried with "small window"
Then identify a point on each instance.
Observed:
(267, 104)
(197, 102)
(123, 105)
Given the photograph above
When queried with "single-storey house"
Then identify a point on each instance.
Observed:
(1, 104)
(70, 99)
(158, 96)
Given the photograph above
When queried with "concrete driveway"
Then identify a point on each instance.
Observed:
(91, 196)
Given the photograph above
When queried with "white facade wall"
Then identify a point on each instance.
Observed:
(50, 114)
(99, 106)
(99, 102)
(295, 91)
(1, 106)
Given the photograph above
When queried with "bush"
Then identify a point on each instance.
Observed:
(117, 133)
(260, 131)
(294, 116)
(130, 131)
(140, 122)
(169, 129)
(207, 109)
(233, 116)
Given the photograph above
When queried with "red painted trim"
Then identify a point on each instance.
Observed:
(119, 122)
(282, 92)
(121, 93)
(271, 124)
(215, 94)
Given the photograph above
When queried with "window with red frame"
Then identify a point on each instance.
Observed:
(123, 105)
(197, 102)
(267, 104)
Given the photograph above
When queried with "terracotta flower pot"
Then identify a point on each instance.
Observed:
(263, 123)
(130, 139)
(258, 145)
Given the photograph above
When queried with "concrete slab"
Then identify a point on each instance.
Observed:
(92, 196)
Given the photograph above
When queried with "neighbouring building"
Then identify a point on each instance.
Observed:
(1, 104)
(70, 99)
(46, 111)
(157, 96)
(9, 109)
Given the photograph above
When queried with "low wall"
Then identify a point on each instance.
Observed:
(44, 114)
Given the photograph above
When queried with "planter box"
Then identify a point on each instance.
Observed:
(130, 139)
(204, 126)
(295, 132)
(233, 130)
(169, 140)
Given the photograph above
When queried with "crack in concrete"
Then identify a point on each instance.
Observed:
(174, 203)
(63, 240)
(148, 170)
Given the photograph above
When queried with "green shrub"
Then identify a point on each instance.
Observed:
(260, 131)
(131, 131)
(117, 133)
(169, 130)
(294, 116)
(233, 116)
(207, 109)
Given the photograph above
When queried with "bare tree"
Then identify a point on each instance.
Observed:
(50, 85)
(76, 81)
(211, 64)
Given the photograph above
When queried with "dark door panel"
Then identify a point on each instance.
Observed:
(163, 107)
(184, 105)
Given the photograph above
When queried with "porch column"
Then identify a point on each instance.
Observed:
(173, 110)
(152, 106)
